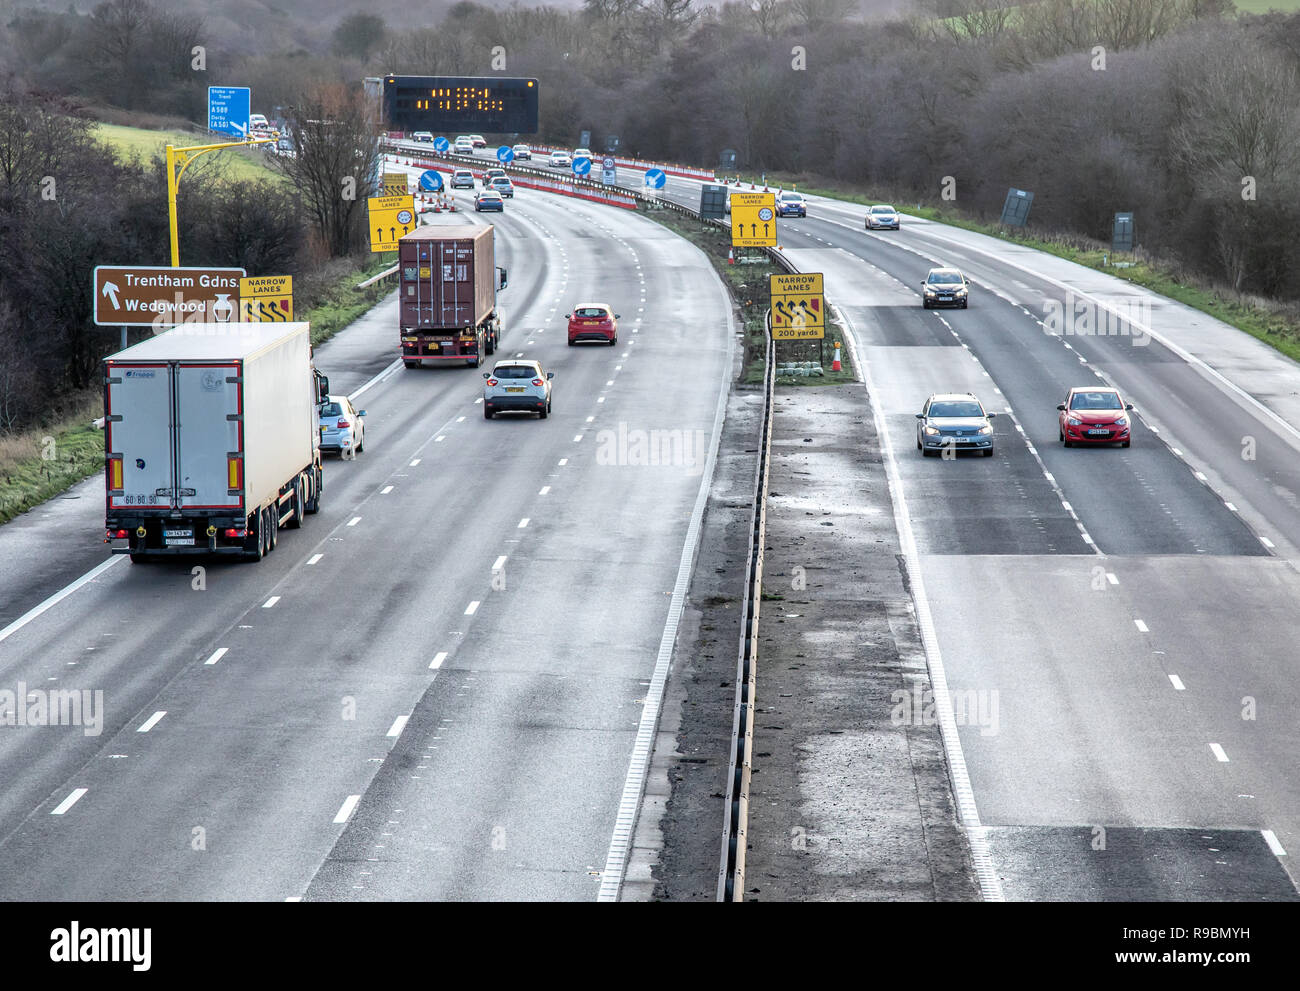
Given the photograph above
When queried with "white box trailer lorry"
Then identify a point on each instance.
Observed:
(211, 440)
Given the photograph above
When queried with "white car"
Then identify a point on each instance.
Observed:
(342, 427)
(517, 385)
(561, 160)
(581, 152)
(883, 217)
(462, 179)
(522, 153)
(464, 145)
(422, 136)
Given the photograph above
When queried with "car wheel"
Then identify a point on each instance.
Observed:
(1059, 435)
(988, 452)
(965, 304)
(1065, 442)
(571, 344)
(487, 411)
(919, 446)
(544, 412)
(925, 304)
(613, 340)
(361, 444)
(1126, 443)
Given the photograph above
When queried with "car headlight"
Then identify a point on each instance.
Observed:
(932, 431)
(986, 429)
(1121, 421)
(960, 290)
(930, 290)
(1074, 422)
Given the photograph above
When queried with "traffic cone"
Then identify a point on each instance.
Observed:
(752, 186)
(731, 256)
(835, 365)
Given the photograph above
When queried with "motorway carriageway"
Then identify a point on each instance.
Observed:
(432, 690)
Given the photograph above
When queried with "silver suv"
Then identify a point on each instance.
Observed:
(519, 386)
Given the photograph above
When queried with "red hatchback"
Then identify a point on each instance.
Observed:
(593, 322)
(1092, 415)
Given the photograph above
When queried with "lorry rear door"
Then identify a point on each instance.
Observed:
(139, 436)
(209, 436)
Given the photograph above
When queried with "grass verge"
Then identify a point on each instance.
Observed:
(749, 288)
(143, 144)
(1274, 323)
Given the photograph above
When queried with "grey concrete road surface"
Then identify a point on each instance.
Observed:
(431, 690)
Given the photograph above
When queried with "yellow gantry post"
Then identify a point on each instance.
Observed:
(183, 157)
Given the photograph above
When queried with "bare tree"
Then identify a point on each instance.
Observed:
(333, 131)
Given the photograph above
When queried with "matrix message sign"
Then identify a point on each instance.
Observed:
(464, 104)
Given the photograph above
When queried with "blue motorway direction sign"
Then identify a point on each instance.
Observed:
(431, 181)
(581, 165)
(655, 178)
(228, 109)
(441, 144)
(505, 154)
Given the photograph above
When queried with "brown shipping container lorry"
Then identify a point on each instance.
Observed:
(448, 290)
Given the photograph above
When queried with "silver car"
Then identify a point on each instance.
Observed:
(342, 427)
(952, 422)
(883, 218)
(519, 386)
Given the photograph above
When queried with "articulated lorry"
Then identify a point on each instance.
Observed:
(447, 284)
(211, 440)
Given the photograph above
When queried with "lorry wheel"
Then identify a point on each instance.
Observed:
(258, 550)
(411, 364)
(273, 524)
(296, 522)
(140, 558)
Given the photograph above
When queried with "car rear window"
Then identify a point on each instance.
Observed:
(956, 409)
(332, 409)
(590, 311)
(514, 371)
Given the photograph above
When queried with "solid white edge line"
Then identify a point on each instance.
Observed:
(152, 721)
(58, 596)
(399, 724)
(629, 807)
(963, 793)
(68, 802)
(397, 363)
(1271, 839)
(346, 808)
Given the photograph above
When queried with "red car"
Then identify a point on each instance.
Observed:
(593, 322)
(1094, 415)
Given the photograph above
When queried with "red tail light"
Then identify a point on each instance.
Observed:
(234, 532)
(492, 381)
(538, 382)
(118, 534)
(342, 425)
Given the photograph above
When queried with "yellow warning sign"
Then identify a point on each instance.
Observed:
(390, 218)
(266, 299)
(798, 307)
(753, 220)
(394, 184)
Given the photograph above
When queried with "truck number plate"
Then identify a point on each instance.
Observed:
(188, 534)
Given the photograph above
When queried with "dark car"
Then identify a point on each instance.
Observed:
(945, 287)
(954, 422)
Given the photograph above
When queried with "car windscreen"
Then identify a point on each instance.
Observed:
(1095, 400)
(514, 372)
(882, 209)
(331, 409)
(943, 278)
(792, 197)
(590, 311)
(956, 408)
